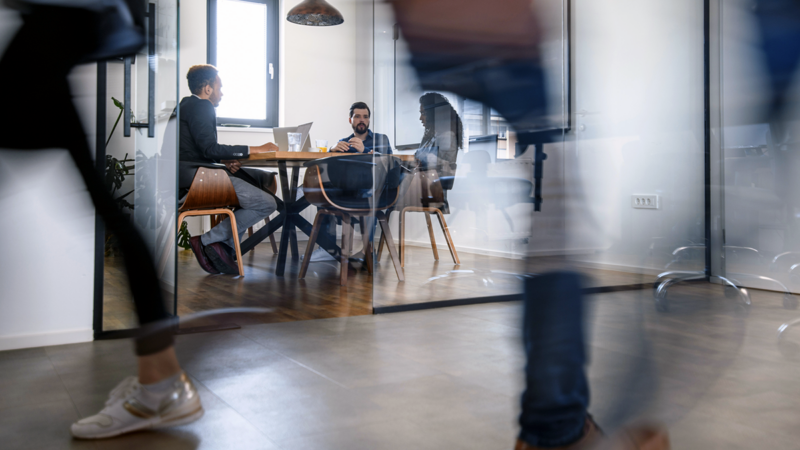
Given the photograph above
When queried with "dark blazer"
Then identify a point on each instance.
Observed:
(199, 146)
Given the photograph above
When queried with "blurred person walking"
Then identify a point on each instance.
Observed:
(488, 52)
(55, 37)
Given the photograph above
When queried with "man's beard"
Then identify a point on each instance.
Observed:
(360, 128)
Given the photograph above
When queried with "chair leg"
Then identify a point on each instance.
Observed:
(402, 238)
(347, 244)
(447, 237)
(236, 243)
(380, 246)
(392, 250)
(430, 233)
(272, 239)
(312, 240)
(367, 244)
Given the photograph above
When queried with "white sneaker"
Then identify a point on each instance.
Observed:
(319, 254)
(130, 407)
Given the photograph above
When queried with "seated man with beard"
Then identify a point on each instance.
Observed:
(363, 140)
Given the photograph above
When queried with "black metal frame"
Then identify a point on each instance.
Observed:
(151, 81)
(100, 163)
(707, 129)
(273, 58)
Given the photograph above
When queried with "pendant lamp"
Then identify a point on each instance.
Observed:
(317, 13)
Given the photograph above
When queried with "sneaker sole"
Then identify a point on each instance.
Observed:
(152, 424)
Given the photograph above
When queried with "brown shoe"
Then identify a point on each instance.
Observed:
(197, 249)
(642, 437)
(590, 439)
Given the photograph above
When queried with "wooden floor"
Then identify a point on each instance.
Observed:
(319, 295)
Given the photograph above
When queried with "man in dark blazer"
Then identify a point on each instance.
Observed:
(199, 148)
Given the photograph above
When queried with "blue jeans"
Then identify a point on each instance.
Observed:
(557, 393)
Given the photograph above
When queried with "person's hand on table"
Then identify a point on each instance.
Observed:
(268, 147)
(357, 144)
(233, 165)
(341, 147)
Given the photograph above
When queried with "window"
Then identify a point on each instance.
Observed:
(479, 119)
(243, 45)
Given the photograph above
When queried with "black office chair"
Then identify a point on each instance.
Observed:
(353, 186)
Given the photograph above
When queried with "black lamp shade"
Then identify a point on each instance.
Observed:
(317, 13)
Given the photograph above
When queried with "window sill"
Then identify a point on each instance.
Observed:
(244, 130)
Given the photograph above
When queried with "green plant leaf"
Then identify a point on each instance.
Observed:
(118, 103)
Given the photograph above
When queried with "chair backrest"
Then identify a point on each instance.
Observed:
(353, 182)
(210, 189)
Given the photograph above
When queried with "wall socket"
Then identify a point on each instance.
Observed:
(644, 201)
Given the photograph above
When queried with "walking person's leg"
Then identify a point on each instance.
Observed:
(557, 394)
(33, 61)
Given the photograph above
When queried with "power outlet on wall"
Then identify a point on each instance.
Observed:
(644, 201)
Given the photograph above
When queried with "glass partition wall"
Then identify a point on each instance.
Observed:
(758, 162)
(622, 182)
(141, 154)
(472, 244)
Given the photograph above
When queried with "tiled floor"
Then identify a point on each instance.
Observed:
(436, 379)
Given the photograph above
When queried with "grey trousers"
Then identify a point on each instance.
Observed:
(255, 204)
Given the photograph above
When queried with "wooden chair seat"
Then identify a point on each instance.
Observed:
(426, 196)
(212, 193)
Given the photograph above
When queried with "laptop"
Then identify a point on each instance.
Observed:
(282, 137)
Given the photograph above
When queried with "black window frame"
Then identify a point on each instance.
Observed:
(273, 35)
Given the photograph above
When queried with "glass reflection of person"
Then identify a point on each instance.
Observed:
(443, 137)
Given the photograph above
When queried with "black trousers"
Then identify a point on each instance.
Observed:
(34, 70)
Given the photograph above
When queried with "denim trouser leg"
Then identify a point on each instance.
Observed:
(255, 204)
(557, 394)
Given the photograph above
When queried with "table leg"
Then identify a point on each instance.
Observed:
(287, 221)
(292, 229)
(262, 233)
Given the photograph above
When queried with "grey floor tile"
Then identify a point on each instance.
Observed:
(358, 364)
(430, 398)
(281, 385)
(325, 411)
(220, 358)
(22, 354)
(391, 435)
(33, 382)
(40, 426)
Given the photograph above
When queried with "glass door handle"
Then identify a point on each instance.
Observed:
(151, 81)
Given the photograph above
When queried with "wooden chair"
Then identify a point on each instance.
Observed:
(431, 197)
(212, 193)
(316, 194)
(273, 188)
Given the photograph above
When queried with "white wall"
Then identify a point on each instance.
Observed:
(47, 269)
(638, 99)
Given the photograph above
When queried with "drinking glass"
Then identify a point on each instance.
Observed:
(294, 141)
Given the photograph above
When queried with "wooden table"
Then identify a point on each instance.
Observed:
(290, 207)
